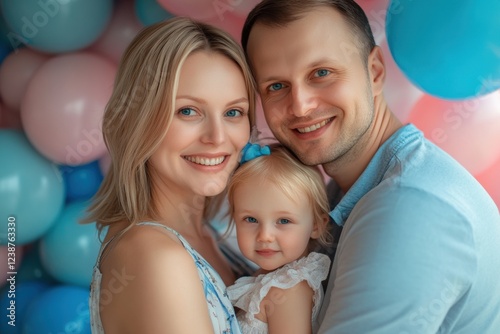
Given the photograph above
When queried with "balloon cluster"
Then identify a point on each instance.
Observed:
(58, 60)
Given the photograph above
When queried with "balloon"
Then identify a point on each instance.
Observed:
(9, 119)
(31, 191)
(243, 7)
(400, 94)
(25, 293)
(82, 181)
(449, 49)
(490, 180)
(10, 259)
(376, 11)
(69, 250)
(467, 130)
(16, 72)
(63, 106)
(230, 22)
(60, 309)
(150, 12)
(122, 29)
(31, 268)
(196, 9)
(56, 25)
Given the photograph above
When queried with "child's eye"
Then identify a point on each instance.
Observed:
(250, 219)
(234, 113)
(321, 73)
(187, 112)
(283, 221)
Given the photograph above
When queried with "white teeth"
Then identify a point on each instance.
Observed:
(206, 161)
(313, 127)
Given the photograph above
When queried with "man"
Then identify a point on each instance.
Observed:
(419, 250)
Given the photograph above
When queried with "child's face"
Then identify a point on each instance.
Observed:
(272, 229)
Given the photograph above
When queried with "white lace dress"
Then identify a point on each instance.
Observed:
(247, 292)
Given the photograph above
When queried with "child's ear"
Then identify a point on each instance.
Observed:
(316, 232)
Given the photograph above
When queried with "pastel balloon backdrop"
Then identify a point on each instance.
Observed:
(449, 49)
(31, 188)
(468, 130)
(63, 107)
(69, 249)
(59, 309)
(81, 182)
(16, 72)
(150, 12)
(55, 25)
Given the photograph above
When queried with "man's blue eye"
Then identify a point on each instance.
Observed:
(322, 73)
(187, 111)
(251, 219)
(276, 86)
(233, 113)
(283, 221)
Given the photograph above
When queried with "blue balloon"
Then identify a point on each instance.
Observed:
(82, 181)
(25, 293)
(69, 250)
(60, 309)
(150, 12)
(56, 25)
(31, 189)
(450, 49)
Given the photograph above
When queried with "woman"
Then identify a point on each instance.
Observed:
(179, 116)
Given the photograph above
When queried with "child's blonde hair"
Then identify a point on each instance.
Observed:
(295, 179)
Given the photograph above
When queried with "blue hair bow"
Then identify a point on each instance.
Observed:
(252, 151)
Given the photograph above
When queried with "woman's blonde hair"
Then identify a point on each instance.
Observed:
(141, 109)
(293, 178)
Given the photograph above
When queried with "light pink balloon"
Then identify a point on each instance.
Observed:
(9, 118)
(105, 163)
(243, 7)
(15, 73)
(197, 9)
(121, 30)
(468, 130)
(64, 104)
(230, 22)
(376, 11)
(400, 94)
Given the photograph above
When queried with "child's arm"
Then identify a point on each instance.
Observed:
(290, 310)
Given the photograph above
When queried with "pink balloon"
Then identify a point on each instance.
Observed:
(400, 94)
(376, 11)
(197, 9)
(490, 180)
(121, 30)
(243, 7)
(230, 22)
(468, 130)
(9, 118)
(15, 73)
(64, 104)
(105, 163)
(9, 257)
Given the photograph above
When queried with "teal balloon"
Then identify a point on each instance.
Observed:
(56, 26)
(449, 49)
(69, 250)
(150, 12)
(31, 190)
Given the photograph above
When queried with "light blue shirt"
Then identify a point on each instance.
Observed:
(420, 247)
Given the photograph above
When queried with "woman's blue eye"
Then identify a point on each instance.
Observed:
(283, 221)
(251, 219)
(321, 73)
(233, 113)
(187, 111)
(276, 86)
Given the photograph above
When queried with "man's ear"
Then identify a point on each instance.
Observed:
(376, 70)
(316, 232)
